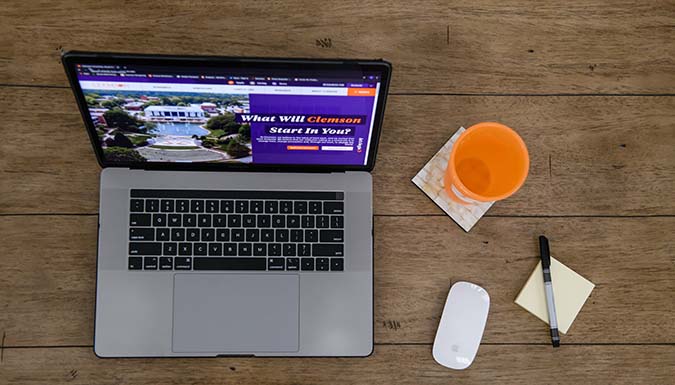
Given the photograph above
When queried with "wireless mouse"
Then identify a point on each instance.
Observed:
(461, 327)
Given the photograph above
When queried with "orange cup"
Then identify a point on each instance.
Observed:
(488, 162)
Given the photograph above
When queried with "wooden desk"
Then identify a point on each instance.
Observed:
(590, 85)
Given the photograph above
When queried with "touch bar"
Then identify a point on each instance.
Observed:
(229, 263)
(238, 194)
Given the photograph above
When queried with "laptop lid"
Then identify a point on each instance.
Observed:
(219, 113)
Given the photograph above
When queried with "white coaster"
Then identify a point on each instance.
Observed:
(430, 181)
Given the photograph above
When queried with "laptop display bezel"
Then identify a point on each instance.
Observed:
(71, 59)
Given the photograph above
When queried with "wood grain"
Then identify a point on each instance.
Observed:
(47, 285)
(601, 184)
(518, 364)
(583, 46)
(589, 155)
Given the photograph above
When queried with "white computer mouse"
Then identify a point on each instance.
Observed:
(461, 327)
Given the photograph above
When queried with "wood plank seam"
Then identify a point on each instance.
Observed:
(2, 346)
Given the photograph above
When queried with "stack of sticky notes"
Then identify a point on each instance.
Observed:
(570, 291)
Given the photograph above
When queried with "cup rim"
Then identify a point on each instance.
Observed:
(470, 194)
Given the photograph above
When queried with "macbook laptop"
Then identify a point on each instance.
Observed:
(235, 203)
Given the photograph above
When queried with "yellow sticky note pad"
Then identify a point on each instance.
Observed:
(570, 291)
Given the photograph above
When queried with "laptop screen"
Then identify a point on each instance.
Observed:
(179, 114)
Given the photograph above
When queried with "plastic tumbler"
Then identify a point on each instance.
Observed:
(489, 162)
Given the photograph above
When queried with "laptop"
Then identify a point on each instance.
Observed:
(235, 202)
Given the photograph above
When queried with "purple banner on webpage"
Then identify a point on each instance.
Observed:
(311, 143)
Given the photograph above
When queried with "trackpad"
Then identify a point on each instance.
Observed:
(235, 313)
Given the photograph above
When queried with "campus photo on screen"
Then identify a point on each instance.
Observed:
(151, 126)
(143, 117)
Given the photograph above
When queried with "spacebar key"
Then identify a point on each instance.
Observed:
(211, 263)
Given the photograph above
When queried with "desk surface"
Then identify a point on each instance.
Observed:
(590, 85)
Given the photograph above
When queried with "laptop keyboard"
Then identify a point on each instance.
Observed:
(236, 230)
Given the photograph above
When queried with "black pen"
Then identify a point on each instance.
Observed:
(548, 287)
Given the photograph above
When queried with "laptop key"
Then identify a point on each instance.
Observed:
(292, 263)
(248, 220)
(227, 207)
(271, 207)
(304, 250)
(289, 249)
(328, 250)
(315, 207)
(178, 235)
(141, 234)
(252, 235)
(337, 264)
(275, 264)
(281, 235)
(307, 221)
(296, 235)
(241, 207)
(192, 234)
(229, 249)
(211, 206)
(278, 221)
(208, 235)
(152, 205)
(300, 207)
(182, 206)
(293, 221)
(267, 235)
(145, 248)
(222, 235)
(264, 220)
(322, 221)
(322, 264)
(337, 222)
(259, 249)
(174, 220)
(274, 249)
(199, 248)
(204, 220)
(163, 234)
(182, 263)
(159, 220)
(286, 207)
(234, 220)
(331, 236)
(136, 206)
(150, 263)
(220, 221)
(245, 249)
(237, 235)
(307, 264)
(140, 219)
(135, 263)
(170, 248)
(311, 235)
(185, 249)
(189, 220)
(257, 207)
(215, 263)
(333, 207)
(215, 249)
(166, 206)
(165, 263)
(197, 206)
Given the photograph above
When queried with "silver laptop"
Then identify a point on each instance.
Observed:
(236, 203)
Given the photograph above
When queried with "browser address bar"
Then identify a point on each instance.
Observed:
(212, 88)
